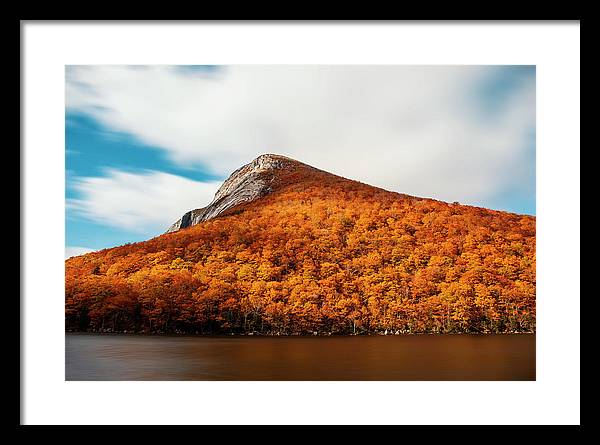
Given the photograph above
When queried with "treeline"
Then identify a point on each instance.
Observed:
(322, 255)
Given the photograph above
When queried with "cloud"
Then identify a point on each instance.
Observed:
(71, 251)
(424, 130)
(142, 202)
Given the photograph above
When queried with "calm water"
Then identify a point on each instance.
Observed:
(410, 357)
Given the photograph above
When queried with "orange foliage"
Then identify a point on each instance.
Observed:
(321, 253)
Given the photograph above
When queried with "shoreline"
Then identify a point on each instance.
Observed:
(406, 334)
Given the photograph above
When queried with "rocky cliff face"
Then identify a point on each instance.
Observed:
(250, 182)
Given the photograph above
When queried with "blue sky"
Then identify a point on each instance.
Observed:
(91, 152)
(146, 143)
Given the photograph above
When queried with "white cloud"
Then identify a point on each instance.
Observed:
(76, 251)
(416, 130)
(148, 201)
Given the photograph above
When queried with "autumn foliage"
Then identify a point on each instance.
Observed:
(321, 253)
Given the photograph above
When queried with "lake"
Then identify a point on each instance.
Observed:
(402, 357)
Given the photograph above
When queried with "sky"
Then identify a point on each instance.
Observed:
(145, 144)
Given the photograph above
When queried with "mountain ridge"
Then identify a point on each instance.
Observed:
(255, 180)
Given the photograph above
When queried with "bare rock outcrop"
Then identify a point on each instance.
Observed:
(250, 182)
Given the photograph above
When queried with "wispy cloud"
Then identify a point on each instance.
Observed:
(427, 131)
(146, 201)
(71, 251)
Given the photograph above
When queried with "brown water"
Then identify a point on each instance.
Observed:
(404, 357)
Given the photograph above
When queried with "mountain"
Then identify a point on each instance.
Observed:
(286, 248)
(263, 175)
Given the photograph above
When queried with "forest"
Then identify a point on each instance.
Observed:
(320, 255)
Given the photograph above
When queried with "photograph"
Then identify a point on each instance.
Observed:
(300, 222)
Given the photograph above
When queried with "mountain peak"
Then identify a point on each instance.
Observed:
(263, 163)
(271, 159)
(248, 183)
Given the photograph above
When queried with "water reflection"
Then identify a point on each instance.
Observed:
(411, 357)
